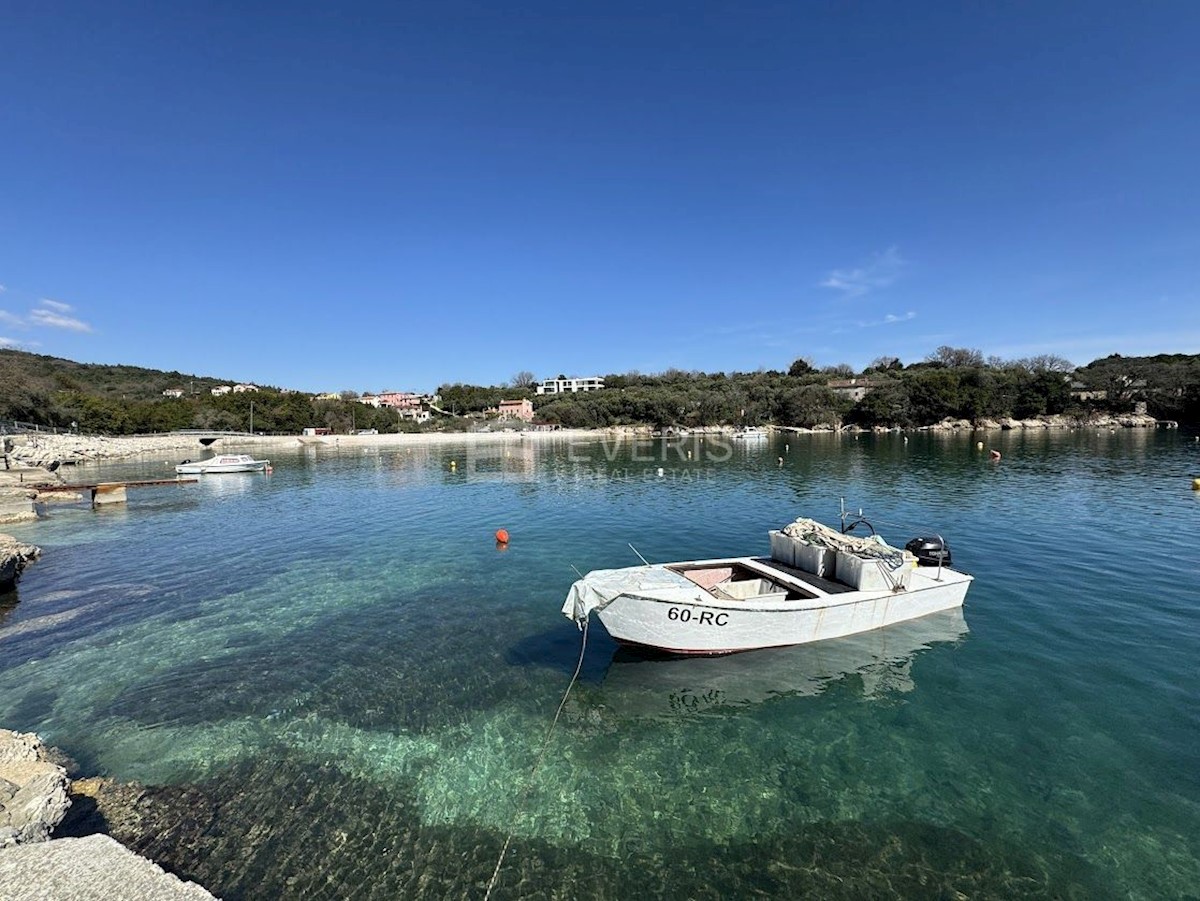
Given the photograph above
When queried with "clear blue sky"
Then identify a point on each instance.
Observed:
(395, 195)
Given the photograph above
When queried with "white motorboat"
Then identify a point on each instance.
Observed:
(750, 433)
(223, 463)
(818, 583)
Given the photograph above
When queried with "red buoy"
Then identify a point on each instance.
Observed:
(502, 536)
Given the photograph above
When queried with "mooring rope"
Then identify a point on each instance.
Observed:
(541, 756)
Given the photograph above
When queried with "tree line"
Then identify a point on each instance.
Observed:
(956, 383)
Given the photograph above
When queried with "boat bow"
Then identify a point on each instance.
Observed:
(601, 587)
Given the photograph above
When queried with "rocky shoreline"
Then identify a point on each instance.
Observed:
(48, 451)
(35, 795)
(14, 557)
(1039, 423)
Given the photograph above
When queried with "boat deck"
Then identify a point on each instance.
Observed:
(825, 586)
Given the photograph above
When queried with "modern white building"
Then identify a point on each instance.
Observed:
(570, 386)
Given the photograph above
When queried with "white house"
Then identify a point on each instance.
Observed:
(570, 386)
(241, 389)
(220, 390)
(173, 392)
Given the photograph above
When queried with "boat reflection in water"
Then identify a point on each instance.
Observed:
(654, 686)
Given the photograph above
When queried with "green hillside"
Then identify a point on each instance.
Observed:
(952, 382)
(126, 400)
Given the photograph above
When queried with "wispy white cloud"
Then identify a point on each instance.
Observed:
(3, 289)
(51, 319)
(845, 327)
(46, 314)
(883, 269)
(9, 343)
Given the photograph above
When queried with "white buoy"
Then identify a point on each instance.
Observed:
(660, 472)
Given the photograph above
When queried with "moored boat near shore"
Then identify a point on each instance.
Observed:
(817, 584)
(222, 463)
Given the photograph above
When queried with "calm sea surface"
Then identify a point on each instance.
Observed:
(335, 685)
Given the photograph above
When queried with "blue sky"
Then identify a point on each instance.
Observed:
(396, 195)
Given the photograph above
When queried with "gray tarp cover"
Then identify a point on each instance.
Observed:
(601, 587)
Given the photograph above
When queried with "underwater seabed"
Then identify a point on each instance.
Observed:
(647, 758)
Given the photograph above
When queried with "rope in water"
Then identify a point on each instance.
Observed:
(540, 758)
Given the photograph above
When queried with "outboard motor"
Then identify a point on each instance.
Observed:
(929, 551)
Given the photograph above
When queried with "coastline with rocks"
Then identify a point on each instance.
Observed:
(36, 794)
(43, 450)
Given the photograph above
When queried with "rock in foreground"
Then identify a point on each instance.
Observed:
(94, 868)
(33, 790)
(13, 557)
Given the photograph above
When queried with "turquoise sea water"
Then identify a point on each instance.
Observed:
(338, 684)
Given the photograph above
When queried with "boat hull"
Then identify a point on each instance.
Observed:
(709, 627)
(209, 470)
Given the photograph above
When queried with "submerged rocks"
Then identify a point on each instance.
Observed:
(13, 557)
(33, 790)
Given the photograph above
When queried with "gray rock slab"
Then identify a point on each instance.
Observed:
(94, 868)
(33, 790)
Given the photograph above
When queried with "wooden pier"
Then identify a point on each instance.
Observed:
(111, 492)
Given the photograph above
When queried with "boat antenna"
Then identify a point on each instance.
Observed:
(577, 572)
(640, 557)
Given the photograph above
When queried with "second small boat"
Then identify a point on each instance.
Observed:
(222, 463)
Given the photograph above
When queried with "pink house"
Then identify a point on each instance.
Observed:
(516, 409)
(400, 400)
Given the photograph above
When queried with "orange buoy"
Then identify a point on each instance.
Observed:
(502, 536)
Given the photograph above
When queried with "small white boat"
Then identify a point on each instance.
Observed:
(750, 433)
(222, 463)
(817, 584)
